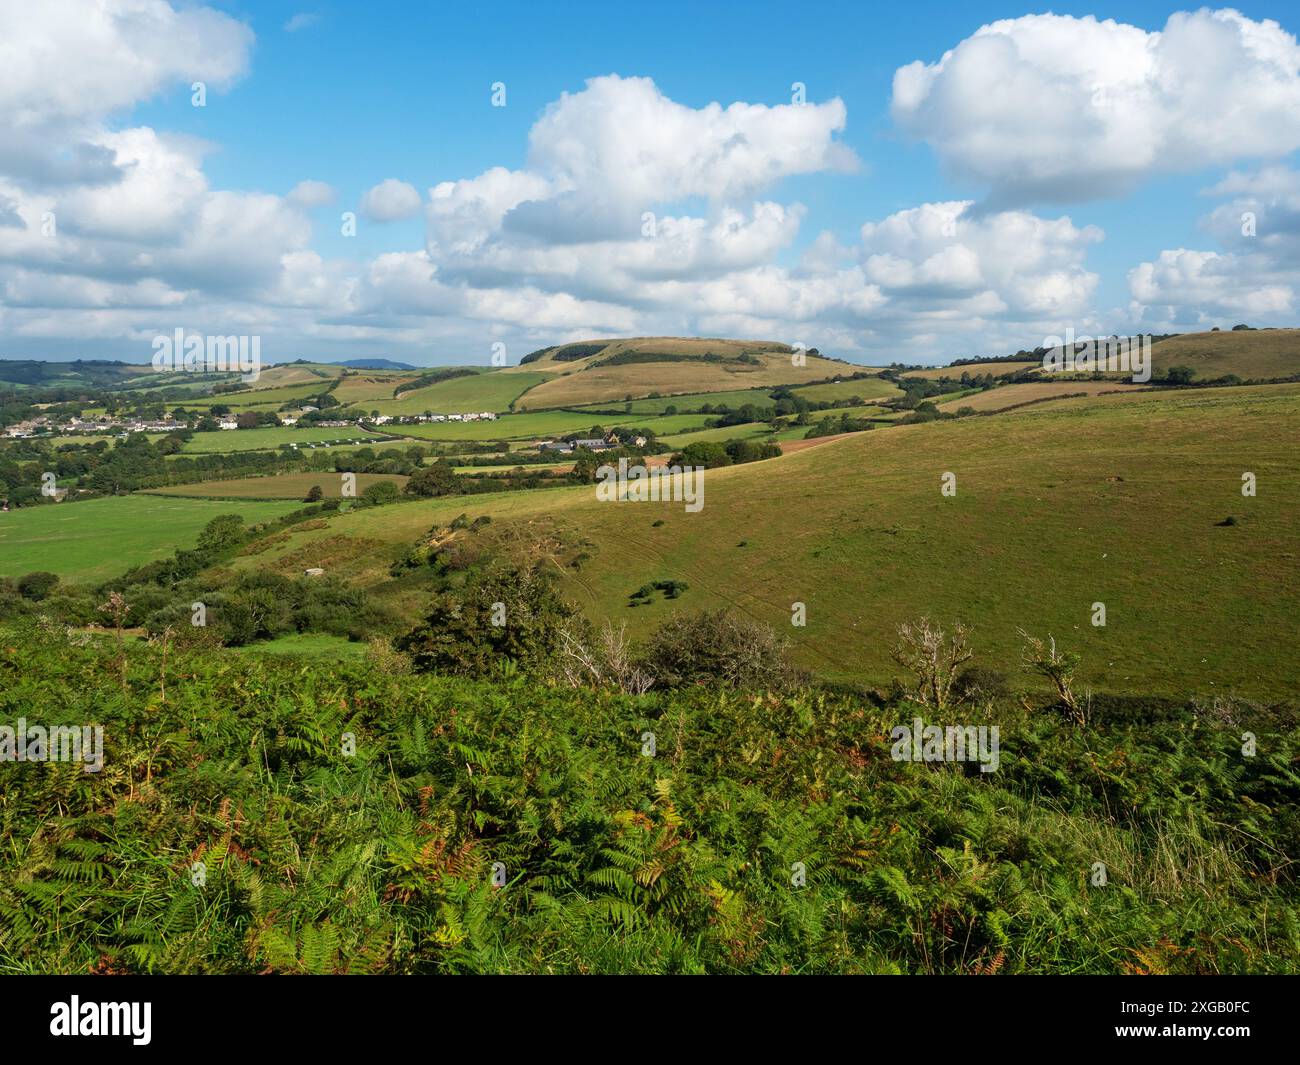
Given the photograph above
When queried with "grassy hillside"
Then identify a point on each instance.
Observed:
(35, 373)
(1256, 354)
(490, 391)
(1251, 354)
(278, 486)
(370, 388)
(263, 399)
(1117, 501)
(586, 380)
(997, 369)
(760, 397)
(868, 389)
(1033, 391)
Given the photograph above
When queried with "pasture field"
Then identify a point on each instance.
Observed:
(605, 384)
(276, 486)
(1009, 395)
(91, 438)
(689, 346)
(743, 431)
(997, 369)
(1061, 507)
(270, 438)
(100, 538)
(540, 425)
(259, 398)
(753, 431)
(869, 389)
(367, 387)
(563, 467)
(299, 374)
(665, 424)
(686, 404)
(488, 391)
(950, 397)
(1255, 354)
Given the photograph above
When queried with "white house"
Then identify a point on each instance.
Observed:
(288, 419)
(228, 423)
(382, 419)
(487, 416)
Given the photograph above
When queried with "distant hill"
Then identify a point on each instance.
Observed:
(604, 371)
(1251, 354)
(97, 373)
(373, 364)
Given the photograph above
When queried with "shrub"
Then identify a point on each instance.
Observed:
(379, 493)
(436, 480)
(717, 647)
(978, 682)
(508, 612)
(707, 453)
(36, 586)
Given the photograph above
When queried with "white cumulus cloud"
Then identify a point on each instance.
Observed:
(390, 201)
(1053, 108)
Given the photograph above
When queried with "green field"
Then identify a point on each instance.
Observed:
(85, 439)
(270, 438)
(277, 486)
(306, 645)
(665, 424)
(490, 391)
(869, 389)
(760, 397)
(1117, 501)
(530, 467)
(100, 538)
(538, 426)
(744, 431)
(364, 388)
(979, 369)
(587, 381)
(260, 398)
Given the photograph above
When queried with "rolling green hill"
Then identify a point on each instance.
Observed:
(490, 391)
(643, 366)
(1251, 354)
(1120, 498)
(1118, 501)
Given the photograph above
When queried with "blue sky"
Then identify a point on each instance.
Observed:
(357, 95)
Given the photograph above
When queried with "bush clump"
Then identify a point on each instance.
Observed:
(717, 647)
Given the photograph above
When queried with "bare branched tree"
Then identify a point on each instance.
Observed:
(604, 659)
(1043, 658)
(932, 657)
